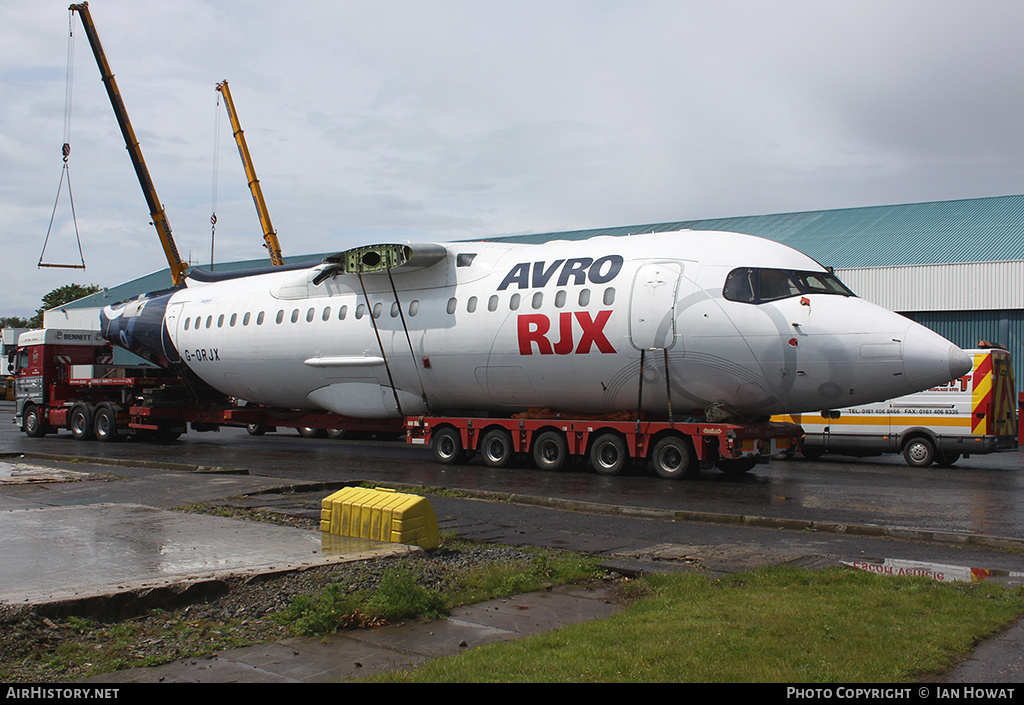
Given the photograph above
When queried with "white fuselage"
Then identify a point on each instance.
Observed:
(575, 326)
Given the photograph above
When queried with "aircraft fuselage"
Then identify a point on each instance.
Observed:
(691, 319)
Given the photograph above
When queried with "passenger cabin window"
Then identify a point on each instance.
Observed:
(756, 286)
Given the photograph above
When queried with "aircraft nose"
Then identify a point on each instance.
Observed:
(930, 360)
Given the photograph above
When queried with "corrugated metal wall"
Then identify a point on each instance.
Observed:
(961, 286)
(968, 328)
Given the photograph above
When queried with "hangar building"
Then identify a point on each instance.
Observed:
(954, 266)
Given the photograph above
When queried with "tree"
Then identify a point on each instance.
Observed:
(60, 296)
(14, 322)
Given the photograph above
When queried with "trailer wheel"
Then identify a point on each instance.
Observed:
(310, 432)
(337, 433)
(80, 422)
(446, 445)
(550, 451)
(608, 454)
(31, 424)
(496, 447)
(673, 458)
(255, 429)
(919, 452)
(104, 424)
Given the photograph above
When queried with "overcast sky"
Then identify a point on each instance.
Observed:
(431, 120)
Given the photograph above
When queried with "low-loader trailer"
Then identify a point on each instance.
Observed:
(65, 380)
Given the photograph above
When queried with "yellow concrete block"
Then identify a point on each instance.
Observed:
(380, 514)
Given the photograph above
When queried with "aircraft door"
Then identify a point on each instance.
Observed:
(652, 320)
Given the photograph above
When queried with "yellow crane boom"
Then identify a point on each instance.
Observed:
(156, 210)
(269, 234)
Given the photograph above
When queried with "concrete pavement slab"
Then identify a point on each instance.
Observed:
(354, 654)
(58, 554)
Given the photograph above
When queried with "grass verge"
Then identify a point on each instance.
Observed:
(773, 625)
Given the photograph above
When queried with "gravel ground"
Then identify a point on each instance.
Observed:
(237, 613)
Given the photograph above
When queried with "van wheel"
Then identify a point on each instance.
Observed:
(737, 466)
(919, 452)
(945, 459)
(81, 422)
(608, 454)
(812, 452)
(496, 447)
(550, 451)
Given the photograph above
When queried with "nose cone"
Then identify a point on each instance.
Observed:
(930, 360)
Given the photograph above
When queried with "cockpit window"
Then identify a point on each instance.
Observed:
(755, 285)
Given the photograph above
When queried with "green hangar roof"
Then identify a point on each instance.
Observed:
(970, 230)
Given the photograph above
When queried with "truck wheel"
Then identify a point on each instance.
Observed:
(919, 452)
(608, 454)
(496, 447)
(31, 424)
(673, 458)
(550, 451)
(446, 446)
(104, 424)
(80, 422)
